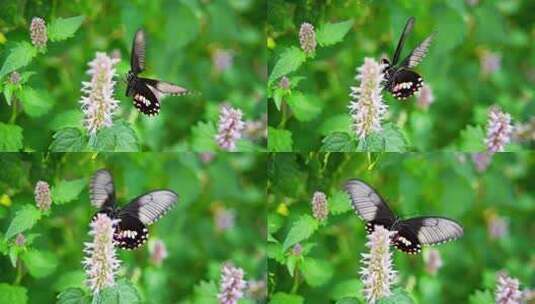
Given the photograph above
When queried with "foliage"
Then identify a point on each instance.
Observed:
(214, 49)
(318, 262)
(314, 112)
(47, 266)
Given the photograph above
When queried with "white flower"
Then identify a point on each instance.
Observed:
(499, 130)
(101, 263)
(367, 108)
(42, 194)
(377, 272)
(507, 290)
(98, 104)
(232, 284)
(230, 128)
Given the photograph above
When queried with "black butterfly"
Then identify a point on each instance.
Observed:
(400, 81)
(411, 233)
(146, 92)
(131, 231)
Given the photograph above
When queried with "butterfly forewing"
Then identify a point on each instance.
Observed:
(137, 58)
(149, 207)
(368, 204)
(406, 31)
(418, 54)
(102, 190)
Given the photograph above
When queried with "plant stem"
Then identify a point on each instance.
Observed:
(18, 278)
(295, 286)
(13, 112)
(283, 112)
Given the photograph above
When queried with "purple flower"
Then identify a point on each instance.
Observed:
(367, 107)
(377, 273)
(257, 290)
(38, 32)
(101, 263)
(490, 62)
(20, 240)
(507, 290)
(42, 194)
(499, 130)
(232, 284)
(230, 128)
(425, 97)
(481, 161)
(206, 157)
(98, 103)
(433, 261)
(158, 252)
(497, 227)
(284, 83)
(297, 250)
(320, 209)
(222, 60)
(307, 38)
(14, 77)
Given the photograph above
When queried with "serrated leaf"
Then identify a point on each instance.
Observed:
(13, 254)
(301, 230)
(63, 28)
(339, 202)
(66, 191)
(40, 264)
(290, 60)
(35, 103)
(472, 139)
(13, 294)
(304, 107)
(24, 219)
(10, 138)
(481, 297)
(19, 56)
(122, 293)
(279, 140)
(285, 298)
(203, 137)
(67, 119)
(73, 296)
(316, 272)
(399, 296)
(338, 142)
(390, 139)
(68, 140)
(205, 292)
(118, 138)
(332, 33)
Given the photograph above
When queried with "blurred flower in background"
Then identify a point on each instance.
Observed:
(525, 131)
(320, 210)
(38, 33)
(232, 284)
(490, 62)
(497, 226)
(222, 60)
(158, 252)
(367, 108)
(307, 38)
(257, 289)
(42, 194)
(230, 127)
(481, 161)
(255, 129)
(224, 219)
(424, 97)
(433, 261)
(507, 290)
(499, 130)
(98, 103)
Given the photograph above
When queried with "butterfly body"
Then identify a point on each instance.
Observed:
(131, 230)
(400, 81)
(411, 234)
(146, 93)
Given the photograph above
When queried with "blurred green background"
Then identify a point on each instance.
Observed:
(466, 32)
(197, 245)
(445, 184)
(215, 48)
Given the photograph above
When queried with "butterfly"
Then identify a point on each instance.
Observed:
(411, 233)
(400, 81)
(131, 231)
(146, 93)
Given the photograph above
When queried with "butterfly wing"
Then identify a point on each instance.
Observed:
(149, 207)
(130, 232)
(425, 230)
(369, 205)
(160, 88)
(406, 31)
(417, 55)
(404, 83)
(137, 58)
(102, 190)
(144, 99)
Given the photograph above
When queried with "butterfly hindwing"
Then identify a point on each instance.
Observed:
(102, 190)
(130, 232)
(404, 83)
(137, 58)
(149, 207)
(144, 99)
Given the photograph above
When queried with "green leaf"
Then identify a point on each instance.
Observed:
(346, 289)
(331, 33)
(399, 296)
(279, 140)
(205, 292)
(66, 191)
(10, 138)
(40, 264)
(304, 107)
(67, 119)
(13, 294)
(73, 296)
(481, 297)
(9, 88)
(290, 60)
(122, 293)
(70, 280)
(285, 298)
(390, 139)
(118, 138)
(338, 142)
(316, 272)
(339, 202)
(20, 56)
(472, 139)
(203, 137)
(68, 140)
(337, 123)
(63, 28)
(35, 103)
(24, 219)
(348, 301)
(301, 229)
